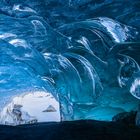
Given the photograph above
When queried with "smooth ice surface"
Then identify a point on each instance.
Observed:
(84, 54)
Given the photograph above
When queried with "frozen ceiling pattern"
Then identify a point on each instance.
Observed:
(83, 54)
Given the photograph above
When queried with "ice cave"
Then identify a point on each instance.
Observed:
(65, 61)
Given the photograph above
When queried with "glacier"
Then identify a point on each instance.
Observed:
(69, 56)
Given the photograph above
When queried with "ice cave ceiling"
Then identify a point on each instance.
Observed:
(72, 59)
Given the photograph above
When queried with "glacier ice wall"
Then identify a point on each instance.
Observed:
(84, 53)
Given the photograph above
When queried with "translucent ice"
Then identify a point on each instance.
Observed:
(84, 54)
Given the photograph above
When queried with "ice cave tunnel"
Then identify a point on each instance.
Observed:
(68, 60)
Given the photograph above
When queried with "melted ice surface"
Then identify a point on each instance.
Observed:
(84, 53)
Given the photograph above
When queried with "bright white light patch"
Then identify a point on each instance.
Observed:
(30, 108)
(135, 88)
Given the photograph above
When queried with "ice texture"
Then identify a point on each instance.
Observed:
(83, 53)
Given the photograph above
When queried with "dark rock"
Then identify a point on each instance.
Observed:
(125, 117)
(73, 130)
(50, 109)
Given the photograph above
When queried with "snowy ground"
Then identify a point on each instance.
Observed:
(30, 108)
